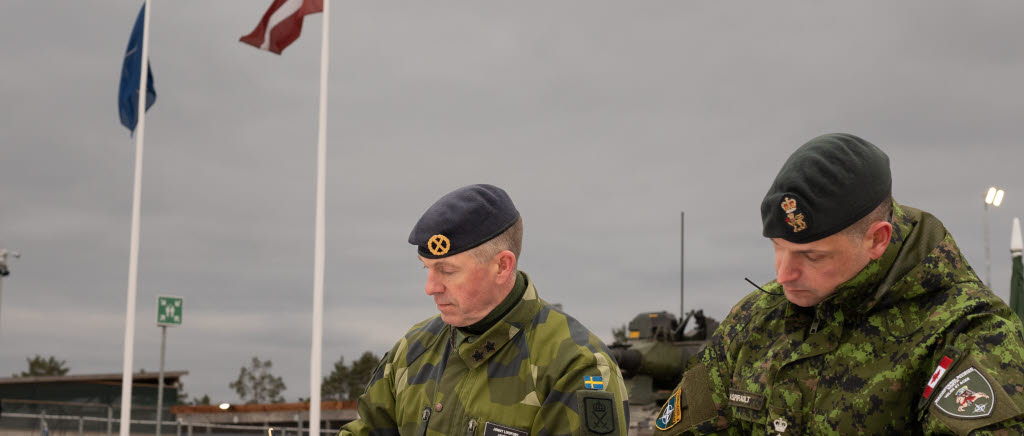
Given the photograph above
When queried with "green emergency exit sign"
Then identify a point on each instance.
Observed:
(168, 310)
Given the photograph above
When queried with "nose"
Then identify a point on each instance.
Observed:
(434, 285)
(786, 269)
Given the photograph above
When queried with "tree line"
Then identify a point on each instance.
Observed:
(255, 382)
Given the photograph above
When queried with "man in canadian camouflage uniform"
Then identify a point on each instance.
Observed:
(875, 323)
(498, 360)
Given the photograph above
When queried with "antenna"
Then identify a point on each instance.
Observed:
(682, 255)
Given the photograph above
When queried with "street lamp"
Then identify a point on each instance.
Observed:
(994, 197)
(4, 270)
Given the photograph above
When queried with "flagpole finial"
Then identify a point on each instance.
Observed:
(1016, 243)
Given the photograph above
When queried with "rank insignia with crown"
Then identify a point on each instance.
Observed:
(780, 425)
(795, 220)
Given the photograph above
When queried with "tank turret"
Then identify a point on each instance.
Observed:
(652, 352)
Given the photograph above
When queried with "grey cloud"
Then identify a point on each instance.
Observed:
(603, 120)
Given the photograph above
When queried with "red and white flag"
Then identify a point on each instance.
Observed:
(937, 375)
(281, 24)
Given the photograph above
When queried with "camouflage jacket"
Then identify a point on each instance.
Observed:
(537, 371)
(914, 344)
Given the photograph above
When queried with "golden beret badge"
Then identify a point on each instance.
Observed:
(439, 245)
(794, 220)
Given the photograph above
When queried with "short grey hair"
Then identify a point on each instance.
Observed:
(882, 212)
(511, 239)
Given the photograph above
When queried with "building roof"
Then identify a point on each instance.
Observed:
(255, 408)
(169, 378)
(265, 414)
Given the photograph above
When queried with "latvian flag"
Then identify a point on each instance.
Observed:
(937, 375)
(282, 24)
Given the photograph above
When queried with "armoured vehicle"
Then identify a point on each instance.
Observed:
(653, 350)
(651, 356)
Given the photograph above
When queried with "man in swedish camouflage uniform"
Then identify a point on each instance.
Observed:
(875, 323)
(498, 360)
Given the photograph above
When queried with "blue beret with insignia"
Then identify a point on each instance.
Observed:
(463, 219)
(825, 186)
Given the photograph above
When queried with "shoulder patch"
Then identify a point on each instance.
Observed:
(969, 395)
(936, 377)
(597, 411)
(595, 382)
(672, 412)
(694, 395)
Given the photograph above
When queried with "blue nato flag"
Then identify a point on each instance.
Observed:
(128, 95)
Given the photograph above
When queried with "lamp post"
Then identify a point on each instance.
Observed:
(994, 197)
(4, 270)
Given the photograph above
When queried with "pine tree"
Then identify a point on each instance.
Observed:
(38, 366)
(255, 383)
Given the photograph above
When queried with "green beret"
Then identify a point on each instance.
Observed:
(463, 219)
(825, 186)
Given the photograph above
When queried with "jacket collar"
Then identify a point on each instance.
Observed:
(477, 350)
(915, 236)
(860, 290)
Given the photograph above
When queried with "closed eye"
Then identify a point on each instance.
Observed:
(441, 270)
(814, 257)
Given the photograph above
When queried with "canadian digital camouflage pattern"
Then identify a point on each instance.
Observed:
(869, 358)
(537, 371)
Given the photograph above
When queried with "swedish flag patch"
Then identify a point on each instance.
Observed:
(593, 382)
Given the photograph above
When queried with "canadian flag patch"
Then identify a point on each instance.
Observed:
(937, 375)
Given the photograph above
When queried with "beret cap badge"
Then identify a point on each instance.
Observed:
(825, 186)
(795, 220)
(462, 220)
(439, 245)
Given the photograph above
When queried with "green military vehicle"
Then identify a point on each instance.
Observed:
(651, 353)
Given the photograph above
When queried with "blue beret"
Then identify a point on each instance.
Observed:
(825, 186)
(463, 219)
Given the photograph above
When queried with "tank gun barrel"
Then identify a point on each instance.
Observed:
(628, 360)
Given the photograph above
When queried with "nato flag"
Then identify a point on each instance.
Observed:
(128, 96)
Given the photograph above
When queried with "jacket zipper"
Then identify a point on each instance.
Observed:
(471, 429)
(424, 420)
(814, 325)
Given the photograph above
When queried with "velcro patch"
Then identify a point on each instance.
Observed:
(940, 371)
(968, 395)
(599, 414)
(672, 412)
(593, 382)
(492, 429)
(746, 399)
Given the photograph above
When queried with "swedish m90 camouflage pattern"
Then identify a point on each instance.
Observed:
(537, 371)
(905, 347)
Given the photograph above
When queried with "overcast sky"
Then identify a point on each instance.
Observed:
(602, 119)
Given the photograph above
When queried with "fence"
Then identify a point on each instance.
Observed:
(105, 422)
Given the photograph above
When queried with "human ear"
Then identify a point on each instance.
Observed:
(878, 237)
(506, 263)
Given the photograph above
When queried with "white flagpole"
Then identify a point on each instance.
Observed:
(133, 256)
(318, 250)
